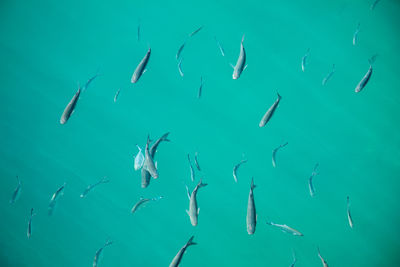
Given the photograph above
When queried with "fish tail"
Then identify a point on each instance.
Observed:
(372, 59)
(201, 184)
(104, 180)
(269, 223)
(279, 96)
(252, 186)
(190, 242)
(243, 38)
(165, 137)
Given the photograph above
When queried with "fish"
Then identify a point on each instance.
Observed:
(294, 260)
(348, 213)
(90, 187)
(16, 192)
(360, 86)
(145, 174)
(180, 67)
(141, 68)
(304, 60)
(310, 184)
(29, 230)
(91, 79)
(178, 54)
(267, 116)
(116, 95)
(192, 174)
(274, 153)
(193, 211)
(373, 5)
(139, 159)
(196, 31)
(251, 218)
(201, 87)
(324, 263)
(177, 259)
(196, 162)
(236, 167)
(286, 229)
(69, 109)
(54, 198)
(355, 35)
(241, 62)
(220, 47)
(148, 161)
(327, 77)
(142, 201)
(99, 251)
(138, 31)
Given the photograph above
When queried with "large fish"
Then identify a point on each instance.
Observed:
(286, 229)
(177, 259)
(16, 192)
(251, 218)
(241, 62)
(148, 164)
(99, 251)
(193, 211)
(267, 116)
(141, 68)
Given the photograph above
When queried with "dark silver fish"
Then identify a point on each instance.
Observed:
(349, 218)
(201, 87)
(193, 211)
(196, 31)
(192, 174)
(327, 77)
(29, 230)
(99, 251)
(196, 162)
(285, 228)
(141, 68)
(177, 259)
(69, 109)
(364, 80)
(148, 164)
(355, 35)
(274, 153)
(236, 167)
(304, 60)
(90, 187)
(144, 200)
(251, 218)
(324, 263)
(241, 62)
(54, 198)
(310, 183)
(178, 54)
(220, 47)
(16, 192)
(267, 116)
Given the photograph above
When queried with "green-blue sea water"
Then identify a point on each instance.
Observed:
(48, 47)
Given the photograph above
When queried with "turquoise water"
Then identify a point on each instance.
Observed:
(48, 46)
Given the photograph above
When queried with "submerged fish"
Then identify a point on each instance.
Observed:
(178, 54)
(99, 251)
(54, 198)
(196, 162)
(310, 184)
(201, 87)
(116, 95)
(251, 218)
(141, 68)
(286, 229)
(180, 67)
(220, 47)
(274, 153)
(90, 187)
(327, 77)
(148, 164)
(373, 5)
(138, 32)
(324, 263)
(193, 211)
(236, 167)
(366, 77)
(196, 31)
(304, 60)
(139, 159)
(348, 213)
(29, 230)
(177, 259)
(192, 174)
(268, 115)
(294, 260)
(241, 62)
(355, 35)
(142, 201)
(16, 192)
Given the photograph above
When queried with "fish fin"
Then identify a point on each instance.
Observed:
(188, 192)
(201, 184)
(269, 223)
(279, 96)
(252, 185)
(190, 242)
(144, 71)
(233, 67)
(187, 213)
(198, 211)
(245, 67)
(243, 38)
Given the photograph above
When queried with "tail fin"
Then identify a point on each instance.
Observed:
(269, 223)
(108, 242)
(252, 185)
(201, 184)
(165, 137)
(104, 180)
(372, 59)
(190, 242)
(243, 38)
(279, 96)
(138, 148)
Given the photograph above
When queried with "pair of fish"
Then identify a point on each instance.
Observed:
(285, 228)
(90, 187)
(310, 180)
(236, 167)
(268, 115)
(149, 168)
(192, 172)
(240, 63)
(99, 251)
(178, 257)
(251, 218)
(178, 54)
(29, 230)
(194, 210)
(276, 151)
(364, 81)
(141, 67)
(54, 198)
(143, 201)
(16, 192)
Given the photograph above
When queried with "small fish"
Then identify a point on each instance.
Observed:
(192, 174)
(116, 95)
(149, 162)
(251, 218)
(54, 198)
(180, 67)
(367, 76)
(141, 68)
(90, 187)
(16, 192)
(99, 251)
(348, 213)
(310, 184)
(294, 260)
(193, 211)
(324, 263)
(201, 87)
(304, 60)
(241, 62)
(178, 54)
(274, 153)
(29, 230)
(90, 81)
(138, 31)
(236, 167)
(220, 47)
(355, 35)
(142, 201)
(286, 229)
(196, 162)
(373, 5)
(69, 109)
(177, 259)
(326, 79)
(268, 115)
(139, 159)
(196, 31)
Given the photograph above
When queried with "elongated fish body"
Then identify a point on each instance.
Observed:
(139, 159)
(116, 95)
(180, 67)
(193, 211)
(373, 5)
(355, 35)
(29, 230)
(241, 62)
(138, 32)
(148, 162)
(364, 80)
(286, 229)
(16, 192)
(70, 107)
(196, 162)
(236, 167)
(251, 218)
(268, 115)
(192, 173)
(329, 76)
(324, 263)
(220, 47)
(177, 259)
(178, 54)
(90, 187)
(294, 260)
(304, 60)
(54, 198)
(348, 213)
(141, 67)
(200, 88)
(310, 181)
(98, 253)
(196, 31)
(274, 153)
(142, 201)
